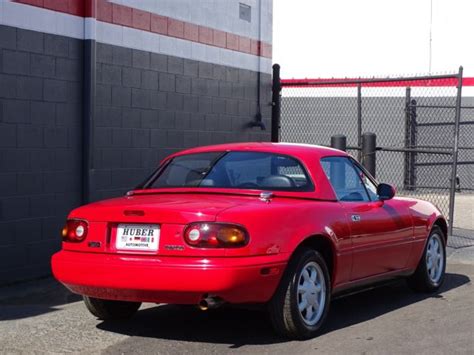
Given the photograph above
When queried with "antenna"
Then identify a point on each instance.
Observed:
(431, 37)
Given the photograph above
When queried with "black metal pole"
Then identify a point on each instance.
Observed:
(457, 118)
(406, 168)
(339, 141)
(369, 147)
(413, 143)
(276, 103)
(409, 180)
(359, 120)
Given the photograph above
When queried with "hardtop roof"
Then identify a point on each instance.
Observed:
(293, 149)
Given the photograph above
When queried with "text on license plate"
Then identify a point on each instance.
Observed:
(142, 237)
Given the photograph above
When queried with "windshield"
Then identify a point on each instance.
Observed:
(240, 170)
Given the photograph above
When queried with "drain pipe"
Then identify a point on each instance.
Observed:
(88, 96)
(258, 121)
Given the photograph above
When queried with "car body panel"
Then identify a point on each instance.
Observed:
(382, 235)
(424, 216)
(164, 279)
(385, 240)
(290, 222)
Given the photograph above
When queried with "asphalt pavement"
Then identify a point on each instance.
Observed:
(43, 317)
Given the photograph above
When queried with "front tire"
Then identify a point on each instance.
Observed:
(111, 310)
(429, 275)
(301, 303)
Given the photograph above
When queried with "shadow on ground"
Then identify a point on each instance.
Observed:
(238, 327)
(33, 298)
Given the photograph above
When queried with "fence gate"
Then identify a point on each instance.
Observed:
(424, 134)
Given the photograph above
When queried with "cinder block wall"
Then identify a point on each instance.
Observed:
(166, 76)
(40, 114)
(151, 104)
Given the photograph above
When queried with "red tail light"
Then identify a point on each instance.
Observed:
(75, 230)
(215, 235)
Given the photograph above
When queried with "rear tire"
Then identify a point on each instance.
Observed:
(429, 274)
(111, 310)
(300, 305)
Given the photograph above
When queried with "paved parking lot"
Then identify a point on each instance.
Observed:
(42, 317)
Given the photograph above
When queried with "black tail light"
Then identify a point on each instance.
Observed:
(75, 230)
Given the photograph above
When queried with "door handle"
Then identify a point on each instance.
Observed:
(355, 218)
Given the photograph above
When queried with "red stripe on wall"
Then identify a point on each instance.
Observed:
(347, 82)
(72, 7)
(146, 21)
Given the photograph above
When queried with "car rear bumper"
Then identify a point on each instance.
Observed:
(179, 280)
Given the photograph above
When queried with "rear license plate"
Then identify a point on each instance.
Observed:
(140, 237)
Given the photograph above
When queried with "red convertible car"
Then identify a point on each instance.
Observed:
(287, 226)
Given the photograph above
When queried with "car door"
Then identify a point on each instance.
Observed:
(381, 231)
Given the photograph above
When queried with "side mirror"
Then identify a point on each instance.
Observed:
(385, 191)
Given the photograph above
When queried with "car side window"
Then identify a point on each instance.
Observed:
(344, 179)
(369, 185)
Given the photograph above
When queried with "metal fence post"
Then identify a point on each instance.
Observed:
(276, 103)
(457, 118)
(413, 141)
(409, 180)
(359, 121)
(406, 170)
(368, 152)
(339, 141)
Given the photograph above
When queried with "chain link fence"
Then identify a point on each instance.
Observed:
(424, 138)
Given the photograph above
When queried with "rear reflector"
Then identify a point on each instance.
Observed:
(268, 271)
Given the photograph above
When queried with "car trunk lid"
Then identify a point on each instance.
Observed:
(148, 216)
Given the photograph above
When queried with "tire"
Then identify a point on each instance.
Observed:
(430, 278)
(284, 311)
(111, 310)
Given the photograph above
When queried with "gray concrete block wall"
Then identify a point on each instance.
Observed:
(149, 105)
(40, 115)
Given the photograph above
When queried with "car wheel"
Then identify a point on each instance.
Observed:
(301, 302)
(429, 274)
(108, 309)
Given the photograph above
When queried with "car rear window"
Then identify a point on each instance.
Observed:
(240, 170)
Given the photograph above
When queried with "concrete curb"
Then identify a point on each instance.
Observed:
(461, 255)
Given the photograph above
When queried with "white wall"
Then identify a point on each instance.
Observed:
(219, 14)
(339, 38)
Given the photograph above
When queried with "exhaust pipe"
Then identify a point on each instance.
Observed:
(210, 303)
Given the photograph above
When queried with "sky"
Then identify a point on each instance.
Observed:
(365, 38)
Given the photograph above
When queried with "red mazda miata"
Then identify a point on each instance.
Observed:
(284, 225)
